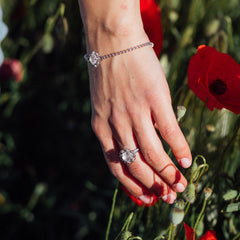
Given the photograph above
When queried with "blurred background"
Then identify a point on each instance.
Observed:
(54, 183)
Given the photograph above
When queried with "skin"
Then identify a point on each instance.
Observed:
(130, 99)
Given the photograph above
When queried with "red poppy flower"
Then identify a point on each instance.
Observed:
(11, 68)
(215, 78)
(190, 234)
(209, 235)
(138, 201)
(151, 16)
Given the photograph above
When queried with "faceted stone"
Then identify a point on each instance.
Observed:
(94, 59)
(127, 156)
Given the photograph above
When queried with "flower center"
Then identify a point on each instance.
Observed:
(218, 87)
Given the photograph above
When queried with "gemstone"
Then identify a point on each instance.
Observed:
(127, 156)
(94, 59)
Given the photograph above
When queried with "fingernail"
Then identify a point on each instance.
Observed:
(185, 162)
(178, 187)
(146, 199)
(170, 198)
(164, 198)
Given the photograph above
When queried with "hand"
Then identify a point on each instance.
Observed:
(130, 96)
(130, 99)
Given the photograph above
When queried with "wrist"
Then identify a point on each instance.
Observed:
(112, 26)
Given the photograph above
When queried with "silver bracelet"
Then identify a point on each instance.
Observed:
(94, 58)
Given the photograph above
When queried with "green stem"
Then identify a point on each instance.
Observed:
(203, 166)
(200, 215)
(33, 52)
(226, 149)
(159, 237)
(173, 232)
(125, 225)
(200, 124)
(238, 196)
(170, 232)
(187, 208)
(237, 237)
(111, 212)
(128, 221)
(49, 26)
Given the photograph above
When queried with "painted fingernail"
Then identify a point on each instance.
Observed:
(185, 162)
(178, 187)
(170, 198)
(146, 199)
(164, 198)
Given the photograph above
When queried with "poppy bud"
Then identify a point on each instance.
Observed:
(176, 215)
(190, 193)
(126, 235)
(11, 68)
(179, 204)
(194, 173)
(207, 193)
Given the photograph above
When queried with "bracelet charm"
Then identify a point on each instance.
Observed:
(94, 58)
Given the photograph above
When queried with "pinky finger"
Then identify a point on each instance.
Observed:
(132, 187)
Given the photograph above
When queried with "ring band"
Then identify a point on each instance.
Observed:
(128, 156)
(94, 58)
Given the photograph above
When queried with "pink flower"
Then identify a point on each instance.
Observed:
(11, 69)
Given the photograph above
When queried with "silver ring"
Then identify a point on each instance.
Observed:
(128, 156)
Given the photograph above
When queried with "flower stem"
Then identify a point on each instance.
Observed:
(227, 147)
(173, 232)
(237, 237)
(125, 225)
(170, 232)
(111, 212)
(200, 215)
(128, 221)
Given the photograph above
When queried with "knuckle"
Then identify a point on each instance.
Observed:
(152, 157)
(97, 127)
(136, 170)
(137, 111)
(169, 132)
(114, 120)
(117, 173)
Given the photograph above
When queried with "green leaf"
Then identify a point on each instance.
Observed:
(230, 194)
(233, 207)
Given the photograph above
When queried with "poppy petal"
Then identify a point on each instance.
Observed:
(209, 235)
(138, 201)
(151, 17)
(190, 234)
(215, 78)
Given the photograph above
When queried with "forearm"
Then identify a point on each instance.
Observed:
(108, 23)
